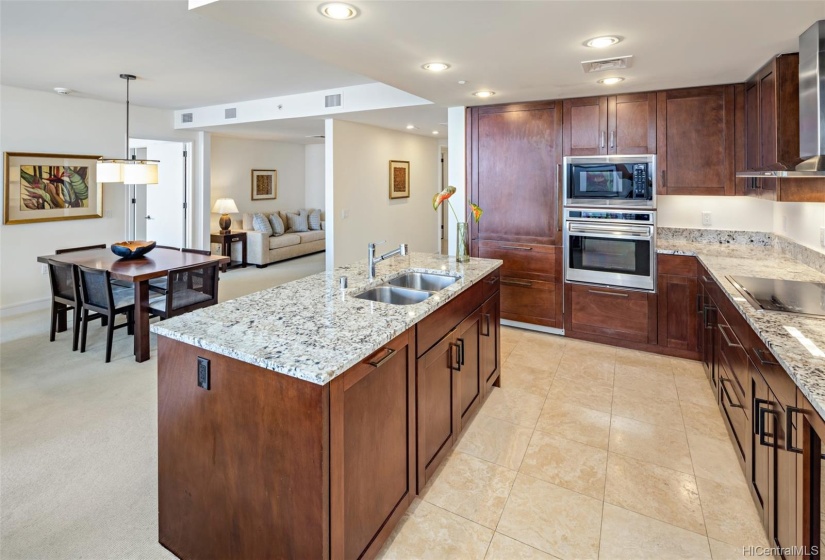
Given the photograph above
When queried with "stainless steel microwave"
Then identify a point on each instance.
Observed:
(618, 181)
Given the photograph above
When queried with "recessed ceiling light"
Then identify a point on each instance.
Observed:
(484, 93)
(435, 66)
(410, 126)
(602, 42)
(338, 10)
(610, 81)
(62, 91)
(435, 132)
(462, 82)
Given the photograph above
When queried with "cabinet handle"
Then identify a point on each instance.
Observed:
(559, 203)
(757, 406)
(705, 278)
(516, 248)
(460, 350)
(664, 179)
(492, 280)
(789, 446)
(725, 391)
(763, 412)
(761, 355)
(379, 363)
(706, 317)
(487, 324)
(727, 340)
(516, 283)
(698, 303)
(612, 138)
(614, 294)
(455, 361)
(601, 139)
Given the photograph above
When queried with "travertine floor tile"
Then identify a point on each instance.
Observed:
(695, 390)
(705, 420)
(505, 548)
(471, 488)
(714, 459)
(546, 339)
(643, 360)
(514, 405)
(689, 369)
(515, 375)
(511, 334)
(723, 551)
(553, 519)
(495, 440)
(647, 383)
(575, 422)
(506, 349)
(429, 532)
(589, 395)
(730, 515)
(591, 349)
(651, 443)
(628, 535)
(586, 369)
(541, 355)
(657, 492)
(629, 403)
(572, 465)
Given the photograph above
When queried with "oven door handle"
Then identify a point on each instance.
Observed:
(633, 231)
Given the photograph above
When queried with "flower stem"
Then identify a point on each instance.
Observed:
(453, 211)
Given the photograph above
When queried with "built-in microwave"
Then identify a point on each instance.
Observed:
(620, 181)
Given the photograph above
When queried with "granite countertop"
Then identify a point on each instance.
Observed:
(311, 328)
(721, 260)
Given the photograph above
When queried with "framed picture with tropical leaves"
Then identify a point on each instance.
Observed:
(50, 187)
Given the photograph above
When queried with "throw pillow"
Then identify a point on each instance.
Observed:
(296, 222)
(277, 225)
(314, 219)
(261, 223)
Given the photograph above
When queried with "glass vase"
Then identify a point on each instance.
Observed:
(462, 247)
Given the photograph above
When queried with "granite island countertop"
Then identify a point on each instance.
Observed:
(723, 259)
(313, 329)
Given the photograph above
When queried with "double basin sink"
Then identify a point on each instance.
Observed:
(409, 288)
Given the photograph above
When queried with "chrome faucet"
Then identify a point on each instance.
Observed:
(372, 260)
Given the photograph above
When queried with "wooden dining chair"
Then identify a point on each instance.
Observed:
(73, 249)
(97, 295)
(190, 287)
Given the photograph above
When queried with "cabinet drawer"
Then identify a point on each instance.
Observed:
(434, 327)
(528, 301)
(774, 374)
(733, 358)
(614, 313)
(521, 260)
(677, 265)
(733, 411)
(490, 284)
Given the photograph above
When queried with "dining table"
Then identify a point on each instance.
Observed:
(138, 271)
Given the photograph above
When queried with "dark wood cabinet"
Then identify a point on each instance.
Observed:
(807, 444)
(759, 456)
(619, 124)
(490, 342)
(732, 370)
(468, 377)
(695, 141)
(611, 313)
(679, 303)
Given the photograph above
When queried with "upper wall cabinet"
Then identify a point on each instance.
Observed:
(695, 141)
(771, 132)
(619, 124)
(513, 170)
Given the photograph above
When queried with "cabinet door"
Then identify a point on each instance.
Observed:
(759, 453)
(470, 384)
(631, 124)
(695, 141)
(435, 411)
(753, 153)
(515, 158)
(678, 317)
(709, 340)
(489, 341)
(767, 125)
(585, 126)
(782, 474)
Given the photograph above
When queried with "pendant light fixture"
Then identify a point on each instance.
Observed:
(129, 171)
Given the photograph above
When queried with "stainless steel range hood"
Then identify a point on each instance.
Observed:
(811, 111)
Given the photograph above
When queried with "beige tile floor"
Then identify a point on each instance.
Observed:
(586, 451)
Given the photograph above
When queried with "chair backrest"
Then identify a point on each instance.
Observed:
(198, 251)
(63, 282)
(167, 247)
(73, 249)
(191, 287)
(95, 288)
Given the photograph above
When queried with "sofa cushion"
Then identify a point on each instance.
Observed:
(297, 222)
(261, 223)
(314, 219)
(284, 240)
(277, 224)
(309, 236)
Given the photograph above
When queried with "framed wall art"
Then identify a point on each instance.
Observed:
(264, 184)
(399, 179)
(50, 187)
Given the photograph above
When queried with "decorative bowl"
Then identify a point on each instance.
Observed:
(132, 249)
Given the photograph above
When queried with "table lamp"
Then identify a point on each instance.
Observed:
(225, 206)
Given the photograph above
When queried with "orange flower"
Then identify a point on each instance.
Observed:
(476, 211)
(442, 196)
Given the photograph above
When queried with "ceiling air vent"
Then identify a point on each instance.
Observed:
(230, 113)
(186, 117)
(332, 100)
(605, 64)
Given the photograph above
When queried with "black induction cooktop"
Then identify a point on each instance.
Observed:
(790, 296)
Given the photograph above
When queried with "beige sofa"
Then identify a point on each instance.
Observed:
(262, 250)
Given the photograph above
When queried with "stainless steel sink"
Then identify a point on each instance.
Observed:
(423, 281)
(395, 295)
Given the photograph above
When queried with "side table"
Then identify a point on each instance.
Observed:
(225, 240)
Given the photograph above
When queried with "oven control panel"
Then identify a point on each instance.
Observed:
(640, 180)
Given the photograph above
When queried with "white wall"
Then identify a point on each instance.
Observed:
(801, 221)
(233, 160)
(727, 212)
(456, 169)
(360, 188)
(314, 157)
(40, 122)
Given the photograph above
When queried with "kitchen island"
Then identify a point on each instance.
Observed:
(300, 421)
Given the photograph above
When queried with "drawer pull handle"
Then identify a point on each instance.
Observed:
(461, 350)
(761, 355)
(486, 332)
(763, 412)
(607, 293)
(378, 363)
(664, 178)
(492, 280)
(789, 446)
(698, 303)
(725, 391)
(727, 340)
(517, 283)
(455, 359)
(516, 248)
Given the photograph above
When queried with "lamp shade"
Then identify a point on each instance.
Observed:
(225, 206)
(109, 172)
(140, 173)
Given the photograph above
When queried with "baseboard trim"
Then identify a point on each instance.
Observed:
(23, 308)
(532, 327)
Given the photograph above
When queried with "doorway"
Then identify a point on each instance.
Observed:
(160, 212)
(443, 218)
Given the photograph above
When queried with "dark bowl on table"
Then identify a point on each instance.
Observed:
(132, 249)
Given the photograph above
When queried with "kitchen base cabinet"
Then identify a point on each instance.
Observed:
(679, 306)
(610, 314)
(808, 446)
(490, 343)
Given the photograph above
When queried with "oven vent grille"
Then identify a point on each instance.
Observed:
(606, 64)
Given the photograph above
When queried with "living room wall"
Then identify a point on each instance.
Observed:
(40, 122)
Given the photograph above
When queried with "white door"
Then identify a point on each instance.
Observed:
(160, 211)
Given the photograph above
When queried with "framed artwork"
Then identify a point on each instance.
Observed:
(264, 184)
(50, 187)
(399, 179)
